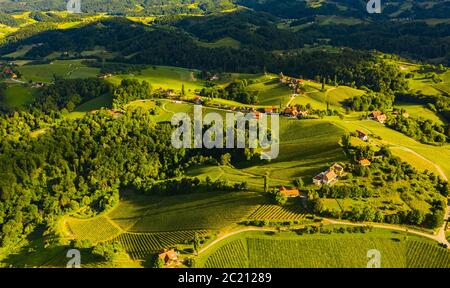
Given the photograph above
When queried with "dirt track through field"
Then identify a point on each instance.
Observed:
(438, 168)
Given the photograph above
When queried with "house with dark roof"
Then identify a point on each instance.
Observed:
(362, 135)
(330, 176)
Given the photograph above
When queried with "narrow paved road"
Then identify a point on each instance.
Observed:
(232, 234)
(438, 237)
(290, 101)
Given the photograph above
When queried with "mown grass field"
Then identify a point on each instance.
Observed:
(420, 111)
(334, 96)
(420, 83)
(20, 52)
(272, 92)
(307, 147)
(226, 42)
(17, 96)
(70, 69)
(288, 250)
(104, 101)
(166, 78)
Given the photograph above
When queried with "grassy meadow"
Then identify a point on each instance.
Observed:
(17, 96)
(70, 69)
(420, 111)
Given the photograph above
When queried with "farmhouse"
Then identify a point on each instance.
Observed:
(379, 116)
(197, 100)
(105, 76)
(338, 169)
(9, 73)
(318, 179)
(168, 256)
(382, 119)
(303, 114)
(363, 136)
(290, 112)
(268, 110)
(214, 78)
(365, 162)
(330, 176)
(375, 114)
(289, 192)
(38, 85)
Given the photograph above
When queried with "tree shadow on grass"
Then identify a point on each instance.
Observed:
(38, 253)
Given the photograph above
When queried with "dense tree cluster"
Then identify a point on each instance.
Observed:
(8, 20)
(371, 102)
(236, 91)
(69, 93)
(257, 30)
(386, 170)
(80, 164)
(413, 39)
(130, 90)
(119, 7)
(175, 48)
(344, 192)
(426, 131)
(189, 185)
(15, 126)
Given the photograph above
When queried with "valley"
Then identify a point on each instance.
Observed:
(87, 162)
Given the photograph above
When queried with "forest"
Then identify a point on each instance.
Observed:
(236, 91)
(175, 48)
(70, 93)
(118, 7)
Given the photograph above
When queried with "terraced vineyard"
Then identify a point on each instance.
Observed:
(275, 212)
(288, 250)
(178, 237)
(322, 253)
(423, 255)
(195, 212)
(140, 245)
(231, 255)
(83, 229)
